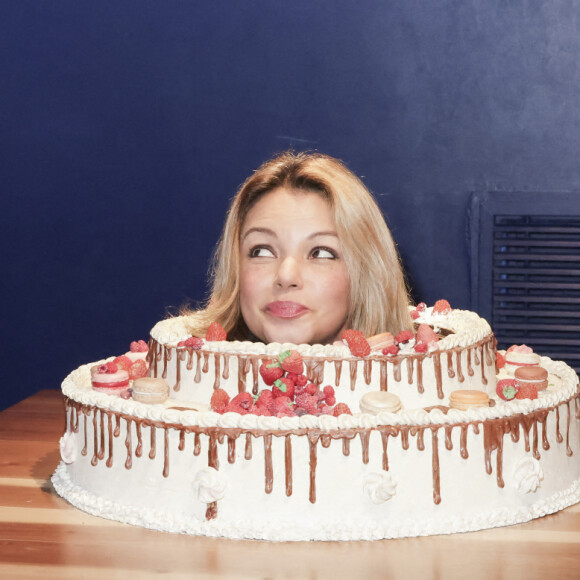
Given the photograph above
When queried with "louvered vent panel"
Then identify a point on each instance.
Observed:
(529, 272)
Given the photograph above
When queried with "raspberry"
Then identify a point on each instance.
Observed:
(193, 342)
(357, 343)
(415, 314)
(292, 363)
(326, 410)
(426, 334)
(442, 306)
(282, 407)
(499, 360)
(215, 332)
(308, 403)
(138, 369)
(506, 389)
(421, 347)
(264, 399)
(393, 349)
(311, 388)
(219, 401)
(301, 380)
(103, 369)
(526, 392)
(421, 307)
(341, 409)
(329, 395)
(112, 368)
(283, 387)
(123, 362)
(138, 346)
(270, 371)
(260, 411)
(404, 336)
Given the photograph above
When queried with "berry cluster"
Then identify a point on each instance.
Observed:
(291, 394)
(440, 307)
(509, 389)
(419, 342)
(215, 333)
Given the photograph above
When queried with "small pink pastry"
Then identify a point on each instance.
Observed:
(519, 357)
(109, 379)
(137, 351)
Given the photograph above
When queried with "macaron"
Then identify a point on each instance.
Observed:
(517, 360)
(150, 390)
(534, 375)
(468, 399)
(380, 402)
(116, 383)
(380, 341)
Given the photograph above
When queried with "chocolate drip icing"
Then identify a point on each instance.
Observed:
(435, 467)
(102, 437)
(288, 463)
(84, 449)
(460, 376)
(243, 369)
(129, 445)
(337, 371)
(217, 374)
(368, 370)
(179, 357)
(255, 364)
(152, 450)
(436, 357)
(196, 445)
(346, 446)
(313, 441)
(352, 365)
(226, 371)
(450, 371)
(470, 371)
(167, 356)
(268, 463)
(117, 431)
(181, 440)
(410, 369)
(463, 442)
(448, 441)
(248, 449)
(166, 453)
(95, 460)
(364, 439)
(383, 377)
(559, 437)
(110, 432)
(139, 448)
(231, 449)
(198, 366)
(420, 386)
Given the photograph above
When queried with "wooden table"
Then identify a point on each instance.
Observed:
(42, 536)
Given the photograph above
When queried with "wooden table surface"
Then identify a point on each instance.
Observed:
(42, 536)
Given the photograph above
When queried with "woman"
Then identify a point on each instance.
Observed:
(304, 254)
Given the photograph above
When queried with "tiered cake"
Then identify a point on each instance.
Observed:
(424, 469)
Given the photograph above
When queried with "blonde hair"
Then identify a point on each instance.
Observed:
(378, 295)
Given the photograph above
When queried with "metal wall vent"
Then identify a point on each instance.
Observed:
(526, 270)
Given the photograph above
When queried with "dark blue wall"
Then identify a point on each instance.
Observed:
(127, 127)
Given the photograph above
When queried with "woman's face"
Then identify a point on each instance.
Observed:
(294, 285)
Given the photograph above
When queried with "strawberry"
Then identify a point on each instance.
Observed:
(526, 392)
(292, 363)
(421, 307)
(260, 411)
(215, 332)
(301, 380)
(241, 403)
(426, 334)
(219, 401)
(442, 306)
(270, 371)
(283, 387)
(506, 389)
(264, 399)
(404, 336)
(329, 395)
(499, 361)
(341, 409)
(123, 362)
(138, 346)
(393, 349)
(193, 342)
(356, 342)
(138, 369)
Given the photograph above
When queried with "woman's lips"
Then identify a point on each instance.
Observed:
(285, 309)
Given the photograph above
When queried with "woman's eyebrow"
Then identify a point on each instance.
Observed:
(266, 231)
(328, 233)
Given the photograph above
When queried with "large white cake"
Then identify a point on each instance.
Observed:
(426, 469)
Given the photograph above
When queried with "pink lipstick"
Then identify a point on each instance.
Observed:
(285, 309)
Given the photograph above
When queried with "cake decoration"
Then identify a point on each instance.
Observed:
(293, 464)
(534, 375)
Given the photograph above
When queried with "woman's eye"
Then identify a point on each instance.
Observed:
(325, 253)
(261, 252)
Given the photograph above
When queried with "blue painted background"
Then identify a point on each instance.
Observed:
(127, 127)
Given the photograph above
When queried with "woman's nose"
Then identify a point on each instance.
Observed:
(289, 273)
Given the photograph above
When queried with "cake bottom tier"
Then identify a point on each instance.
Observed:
(348, 484)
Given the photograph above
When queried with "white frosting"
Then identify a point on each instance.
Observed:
(528, 475)
(380, 487)
(209, 485)
(68, 447)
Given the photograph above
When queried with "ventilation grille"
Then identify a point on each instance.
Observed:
(534, 291)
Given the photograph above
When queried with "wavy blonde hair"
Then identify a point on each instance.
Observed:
(378, 294)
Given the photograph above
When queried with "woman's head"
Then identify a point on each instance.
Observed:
(376, 300)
